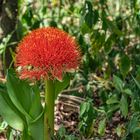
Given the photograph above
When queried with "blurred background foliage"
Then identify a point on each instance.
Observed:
(108, 33)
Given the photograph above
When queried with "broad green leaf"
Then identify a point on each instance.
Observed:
(9, 112)
(35, 107)
(86, 109)
(128, 92)
(124, 105)
(104, 20)
(118, 83)
(83, 108)
(84, 28)
(125, 65)
(37, 129)
(25, 97)
(91, 15)
(102, 127)
(112, 100)
(19, 93)
(59, 86)
(113, 108)
(91, 18)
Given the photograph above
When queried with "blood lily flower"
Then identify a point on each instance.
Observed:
(47, 52)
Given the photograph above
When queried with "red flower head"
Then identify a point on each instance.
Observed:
(47, 53)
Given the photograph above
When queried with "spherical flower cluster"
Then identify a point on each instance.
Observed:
(47, 53)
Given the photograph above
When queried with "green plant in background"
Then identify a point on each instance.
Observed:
(120, 100)
(62, 134)
(107, 42)
(87, 117)
(133, 127)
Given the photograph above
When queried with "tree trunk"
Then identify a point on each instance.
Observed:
(8, 19)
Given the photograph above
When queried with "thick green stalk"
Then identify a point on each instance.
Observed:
(49, 113)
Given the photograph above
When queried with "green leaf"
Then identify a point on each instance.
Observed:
(62, 131)
(119, 130)
(26, 135)
(118, 83)
(59, 86)
(112, 26)
(86, 109)
(124, 105)
(4, 43)
(53, 23)
(108, 44)
(19, 93)
(35, 107)
(27, 99)
(112, 100)
(70, 137)
(113, 108)
(28, 16)
(91, 18)
(84, 28)
(102, 127)
(128, 92)
(125, 65)
(136, 133)
(37, 129)
(108, 24)
(137, 83)
(83, 108)
(9, 112)
(89, 15)
(133, 123)
(138, 75)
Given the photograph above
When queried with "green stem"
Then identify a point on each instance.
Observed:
(49, 113)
